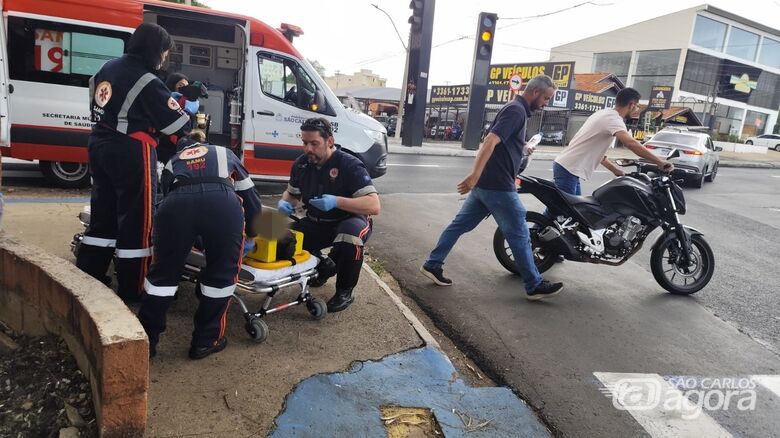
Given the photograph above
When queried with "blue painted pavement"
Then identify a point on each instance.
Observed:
(348, 404)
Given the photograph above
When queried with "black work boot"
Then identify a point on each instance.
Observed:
(325, 269)
(341, 300)
(201, 352)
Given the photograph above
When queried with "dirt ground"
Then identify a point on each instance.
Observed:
(42, 390)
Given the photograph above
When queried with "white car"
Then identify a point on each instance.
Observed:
(698, 160)
(771, 141)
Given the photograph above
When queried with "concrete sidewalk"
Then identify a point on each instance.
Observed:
(350, 374)
(770, 160)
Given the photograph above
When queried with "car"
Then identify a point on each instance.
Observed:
(771, 141)
(554, 137)
(382, 119)
(391, 126)
(439, 129)
(698, 160)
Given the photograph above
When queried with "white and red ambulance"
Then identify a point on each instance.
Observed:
(260, 87)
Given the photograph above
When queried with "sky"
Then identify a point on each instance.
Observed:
(349, 35)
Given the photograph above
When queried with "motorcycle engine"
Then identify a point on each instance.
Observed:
(619, 236)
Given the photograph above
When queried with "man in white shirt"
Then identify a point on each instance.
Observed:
(589, 146)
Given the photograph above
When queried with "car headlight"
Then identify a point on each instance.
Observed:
(376, 136)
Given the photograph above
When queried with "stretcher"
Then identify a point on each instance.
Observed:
(255, 277)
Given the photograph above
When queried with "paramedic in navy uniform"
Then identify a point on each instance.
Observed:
(340, 199)
(131, 108)
(208, 194)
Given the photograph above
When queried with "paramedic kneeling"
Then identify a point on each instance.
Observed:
(209, 194)
(340, 199)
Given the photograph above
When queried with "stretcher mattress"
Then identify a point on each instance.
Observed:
(264, 275)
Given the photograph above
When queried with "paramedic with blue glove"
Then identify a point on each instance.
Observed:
(208, 194)
(340, 199)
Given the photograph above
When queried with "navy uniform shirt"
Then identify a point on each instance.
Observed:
(126, 98)
(504, 164)
(342, 175)
(206, 160)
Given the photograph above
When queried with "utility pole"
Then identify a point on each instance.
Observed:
(401, 100)
(419, 61)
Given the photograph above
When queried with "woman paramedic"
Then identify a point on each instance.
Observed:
(131, 108)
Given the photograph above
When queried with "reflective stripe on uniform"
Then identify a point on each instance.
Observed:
(175, 126)
(159, 291)
(98, 241)
(142, 82)
(217, 292)
(91, 90)
(367, 190)
(348, 238)
(133, 253)
(244, 184)
(222, 162)
(293, 190)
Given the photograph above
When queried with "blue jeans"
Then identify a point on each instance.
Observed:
(566, 181)
(509, 214)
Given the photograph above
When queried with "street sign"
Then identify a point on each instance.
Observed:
(660, 97)
(515, 83)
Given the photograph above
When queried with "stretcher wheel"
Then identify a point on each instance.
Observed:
(317, 308)
(257, 329)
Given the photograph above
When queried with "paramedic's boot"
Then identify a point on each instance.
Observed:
(340, 301)
(201, 352)
(325, 270)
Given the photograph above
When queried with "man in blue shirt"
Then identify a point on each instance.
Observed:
(492, 186)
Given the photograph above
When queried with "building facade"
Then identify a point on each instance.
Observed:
(363, 78)
(701, 52)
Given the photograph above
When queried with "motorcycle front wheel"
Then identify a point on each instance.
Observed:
(670, 271)
(543, 259)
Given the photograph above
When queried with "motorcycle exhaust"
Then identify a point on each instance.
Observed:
(553, 239)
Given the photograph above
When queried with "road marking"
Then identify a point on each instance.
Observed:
(413, 165)
(775, 209)
(650, 397)
(771, 383)
(775, 176)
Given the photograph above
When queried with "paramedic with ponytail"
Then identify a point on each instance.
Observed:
(208, 194)
(131, 108)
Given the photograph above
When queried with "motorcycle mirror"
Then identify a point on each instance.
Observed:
(624, 162)
(674, 154)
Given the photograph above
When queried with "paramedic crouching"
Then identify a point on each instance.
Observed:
(340, 199)
(209, 194)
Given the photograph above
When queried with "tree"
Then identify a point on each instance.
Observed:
(318, 67)
(194, 3)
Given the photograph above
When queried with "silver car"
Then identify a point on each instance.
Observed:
(698, 160)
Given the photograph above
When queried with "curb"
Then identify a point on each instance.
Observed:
(418, 326)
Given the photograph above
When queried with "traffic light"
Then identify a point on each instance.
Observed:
(416, 20)
(483, 51)
(486, 32)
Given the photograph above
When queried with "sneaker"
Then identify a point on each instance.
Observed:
(545, 289)
(201, 352)
(437, 275)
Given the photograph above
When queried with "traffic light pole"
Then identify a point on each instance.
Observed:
(419, 61)
(483, 50)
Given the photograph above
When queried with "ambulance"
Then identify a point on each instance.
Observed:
(260, 88)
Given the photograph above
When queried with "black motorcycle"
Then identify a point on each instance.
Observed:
(611, 226)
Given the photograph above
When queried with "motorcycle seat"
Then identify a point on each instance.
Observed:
(576, 200)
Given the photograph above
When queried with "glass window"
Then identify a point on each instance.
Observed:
(767, 91)
(700, 73)
(755, 123)
(655, 67)
(709, 33)
(616, 63)
(742, 44)
(285, 80)
(58, 53)
(682, 139)
(770, 53)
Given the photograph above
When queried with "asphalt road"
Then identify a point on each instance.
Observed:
(559, 354)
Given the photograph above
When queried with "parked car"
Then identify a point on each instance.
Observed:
(698, 161)
(383, 120)
(771, 141)
(553, 137)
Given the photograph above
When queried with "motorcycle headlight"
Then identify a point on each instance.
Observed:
(376, 136)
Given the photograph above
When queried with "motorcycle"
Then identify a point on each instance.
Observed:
(611, 226)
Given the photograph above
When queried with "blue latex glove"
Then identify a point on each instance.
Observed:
(248, 245)
(325, 203)
(191, 106)
(285, 207)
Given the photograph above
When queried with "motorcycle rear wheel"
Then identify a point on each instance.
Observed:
(666, 266)
(542, 258)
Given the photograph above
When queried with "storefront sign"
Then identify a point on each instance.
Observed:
(660, 97)
(591, 102)
(441, 94)
(500, 87)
